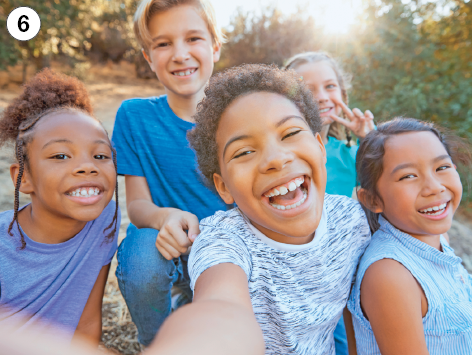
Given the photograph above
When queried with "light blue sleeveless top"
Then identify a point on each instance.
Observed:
(445, 282)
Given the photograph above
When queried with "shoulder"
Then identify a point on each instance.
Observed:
(106, 217)
(335, 145)
(5, 219)
(140, 107)
(230, 220)
(342, 208)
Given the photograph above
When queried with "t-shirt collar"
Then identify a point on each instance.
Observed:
(320, 231)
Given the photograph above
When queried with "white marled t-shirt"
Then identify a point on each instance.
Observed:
(298, 292)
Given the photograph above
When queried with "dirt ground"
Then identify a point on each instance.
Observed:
(108, 86)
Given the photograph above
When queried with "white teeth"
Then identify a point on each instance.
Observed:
(325, 110)
(85, 192)
(283, 190)
(438, 209)
(296, 204)
(292, 186)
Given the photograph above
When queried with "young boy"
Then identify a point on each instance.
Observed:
(285, 258)
(165, 194)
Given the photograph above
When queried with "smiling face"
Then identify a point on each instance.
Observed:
(322, 81)
(182, 51)
(419, 185)
(70, 172)
(272, 166)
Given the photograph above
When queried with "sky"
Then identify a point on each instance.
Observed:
(334, 15)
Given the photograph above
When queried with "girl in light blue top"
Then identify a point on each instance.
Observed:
(411, 295)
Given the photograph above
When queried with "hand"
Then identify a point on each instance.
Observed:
(172, 240)
(359, 123)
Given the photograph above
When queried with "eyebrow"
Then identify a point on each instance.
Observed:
(410, 165)
(245, 136)
(67, 141)
(190, 32)
(56, 141)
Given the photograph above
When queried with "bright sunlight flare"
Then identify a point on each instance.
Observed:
(335, 16)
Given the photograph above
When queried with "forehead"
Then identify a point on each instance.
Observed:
(71, 125)
(255, 111)
(182, 18)
(317, 72)
(412, 147)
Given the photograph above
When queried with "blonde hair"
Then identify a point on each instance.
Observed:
(148, 8)
(336, 130)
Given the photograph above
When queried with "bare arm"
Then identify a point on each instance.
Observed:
(220, 320)
(90, 323)
(393, 302)
(351, 339)
(171, 223)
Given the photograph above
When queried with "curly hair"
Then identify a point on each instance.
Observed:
(46, 93)
(225, 87)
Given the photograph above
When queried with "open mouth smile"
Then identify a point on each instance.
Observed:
(84, 192)
(435, 212)
(185, 72)
(289, 195)
(324, 110)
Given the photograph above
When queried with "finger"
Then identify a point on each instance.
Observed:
(342, 121)
(163, 251)
(358, 114)
(177, 237)
(369, 115)
(344, 107)
(193, 227)
(167, 250)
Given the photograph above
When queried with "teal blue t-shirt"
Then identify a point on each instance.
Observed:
(151, 141)
(340, 167)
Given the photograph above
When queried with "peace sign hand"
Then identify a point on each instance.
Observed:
(359, 123)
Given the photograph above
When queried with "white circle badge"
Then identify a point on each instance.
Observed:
(23, 23)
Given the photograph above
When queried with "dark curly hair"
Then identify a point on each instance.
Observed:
(227, 86)
(46, 93)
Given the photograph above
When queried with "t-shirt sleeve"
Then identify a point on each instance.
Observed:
(215, 246)
(114, 243)
(123, 141)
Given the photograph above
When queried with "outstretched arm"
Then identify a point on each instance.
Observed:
(220, 320)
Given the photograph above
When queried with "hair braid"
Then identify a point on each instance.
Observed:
(115, 217)
(20, 157)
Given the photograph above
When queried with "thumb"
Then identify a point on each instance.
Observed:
(193, 230)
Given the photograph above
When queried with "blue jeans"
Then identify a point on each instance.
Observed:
(340, 338)
(146, 278)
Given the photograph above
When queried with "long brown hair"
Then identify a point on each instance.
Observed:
(336, 129)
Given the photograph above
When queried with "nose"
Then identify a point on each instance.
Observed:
(181, 53)
(321, 95)
(432, 185)
(274, 158)
(86, 167)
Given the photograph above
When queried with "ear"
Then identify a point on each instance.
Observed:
(322, 146)
(222, 189)
(369, 201)
(216, 52)
(148, 59)
(26, 186)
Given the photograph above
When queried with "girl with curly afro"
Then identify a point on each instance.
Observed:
(272, 275)
(55, 252)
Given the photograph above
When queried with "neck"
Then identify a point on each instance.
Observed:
(324, 133)
(431, 240)
(44, 227)
(184, 106)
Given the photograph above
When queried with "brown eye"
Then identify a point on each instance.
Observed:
(60, 157)
(291, 134)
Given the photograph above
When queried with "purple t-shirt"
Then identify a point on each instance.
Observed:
(49, 284)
